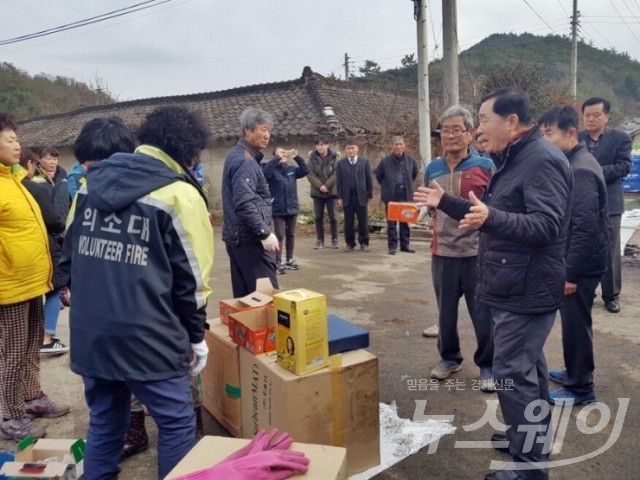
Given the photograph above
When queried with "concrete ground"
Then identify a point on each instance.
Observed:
(392, 296)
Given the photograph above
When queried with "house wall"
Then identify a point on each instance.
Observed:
(213, 159)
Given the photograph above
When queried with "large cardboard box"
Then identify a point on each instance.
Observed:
(221, 378)
(326, 463)
(336, 406)
(302, 336)
(254, 329)
(262, 296)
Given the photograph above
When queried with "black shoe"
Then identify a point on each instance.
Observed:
(612, 305)
(319, 245)
(407, 250)
(392, 251)
(334, 244)
(500, 439)
(280, 269)
(364, 248)
(503, 475)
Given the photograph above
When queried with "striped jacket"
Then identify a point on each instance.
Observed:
(139, 250)
(471, 174)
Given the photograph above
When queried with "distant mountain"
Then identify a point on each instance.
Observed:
(606, 73)
(24, 96)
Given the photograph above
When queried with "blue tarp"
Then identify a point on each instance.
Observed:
(631, 183)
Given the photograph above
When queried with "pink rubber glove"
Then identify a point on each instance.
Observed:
(261, 442)
(265, 465)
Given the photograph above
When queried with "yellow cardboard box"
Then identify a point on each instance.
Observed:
(302, 337)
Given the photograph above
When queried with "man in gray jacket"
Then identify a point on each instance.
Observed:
(322, 177)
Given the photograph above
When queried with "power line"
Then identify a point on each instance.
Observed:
(538, 15)
(562, 7)
(599, 33)
(623, 21)
(87, 21)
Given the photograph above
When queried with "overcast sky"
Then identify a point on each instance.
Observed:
(192, 46)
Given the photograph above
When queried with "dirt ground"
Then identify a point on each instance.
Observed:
(392, 296)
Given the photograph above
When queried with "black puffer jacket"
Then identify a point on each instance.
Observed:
(521, 257)
(588, 235)
(246, 201)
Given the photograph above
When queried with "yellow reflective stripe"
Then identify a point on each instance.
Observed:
(160, 155)
(190, 218)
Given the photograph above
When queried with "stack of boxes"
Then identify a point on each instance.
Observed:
(272, 368)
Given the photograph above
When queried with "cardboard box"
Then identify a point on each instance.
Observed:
(221, 378)
(262, 296)
(402, 212)
(302, 337)
(326, 463)
(64, 459)
(254, 329)
(336, 406)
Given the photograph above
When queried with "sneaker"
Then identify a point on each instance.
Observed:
(487, 384)
(20, 428)
(364, 248)
(334, 244)
(43, 406)
(431, 332)
(558, 376)
(54, 346)
(349, 248)
(445, 368)
(280, 270)
(560, 397)
(319, 245)
(291, 265)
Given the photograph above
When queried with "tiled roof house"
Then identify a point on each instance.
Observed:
(301, 108)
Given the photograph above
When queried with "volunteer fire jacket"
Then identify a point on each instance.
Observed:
(139, 250)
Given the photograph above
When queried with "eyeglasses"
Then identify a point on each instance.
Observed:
(455, 132)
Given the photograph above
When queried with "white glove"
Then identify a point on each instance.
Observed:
(271, 243)
(200, 353)
(424, 211)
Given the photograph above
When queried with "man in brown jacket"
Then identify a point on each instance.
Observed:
(322, 177)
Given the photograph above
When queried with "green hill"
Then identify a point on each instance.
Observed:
(25, 96)
(606, 73)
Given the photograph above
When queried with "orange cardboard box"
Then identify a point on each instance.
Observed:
(262, 296)
(403, 212)
(254, 330)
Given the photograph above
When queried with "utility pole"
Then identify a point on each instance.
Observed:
(450, 52)
(424, 120)
(573, 85)
(346, 67)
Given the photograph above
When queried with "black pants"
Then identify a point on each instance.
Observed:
(519, 360)
(612, 278)
(285, 228)
(453, 277)
(354, 209)
(248, 262)
(319, 204)
(577, 336)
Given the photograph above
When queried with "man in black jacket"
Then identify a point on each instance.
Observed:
(586, 256)
(612, 149)
(355, 189)
(396, 174)
(523, 222)
(246, 205)
(322, 177)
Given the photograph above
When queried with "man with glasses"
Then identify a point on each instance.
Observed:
(454, 251)
(612, 149)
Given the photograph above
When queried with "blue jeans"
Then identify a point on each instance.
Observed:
(51, 311)
(170, 404)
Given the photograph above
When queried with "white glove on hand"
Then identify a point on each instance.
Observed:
(200, 352)
(271, 243)
(424, 211)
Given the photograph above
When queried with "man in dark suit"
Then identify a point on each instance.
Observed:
(355, 189)
(612, 149)
(396, 174)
